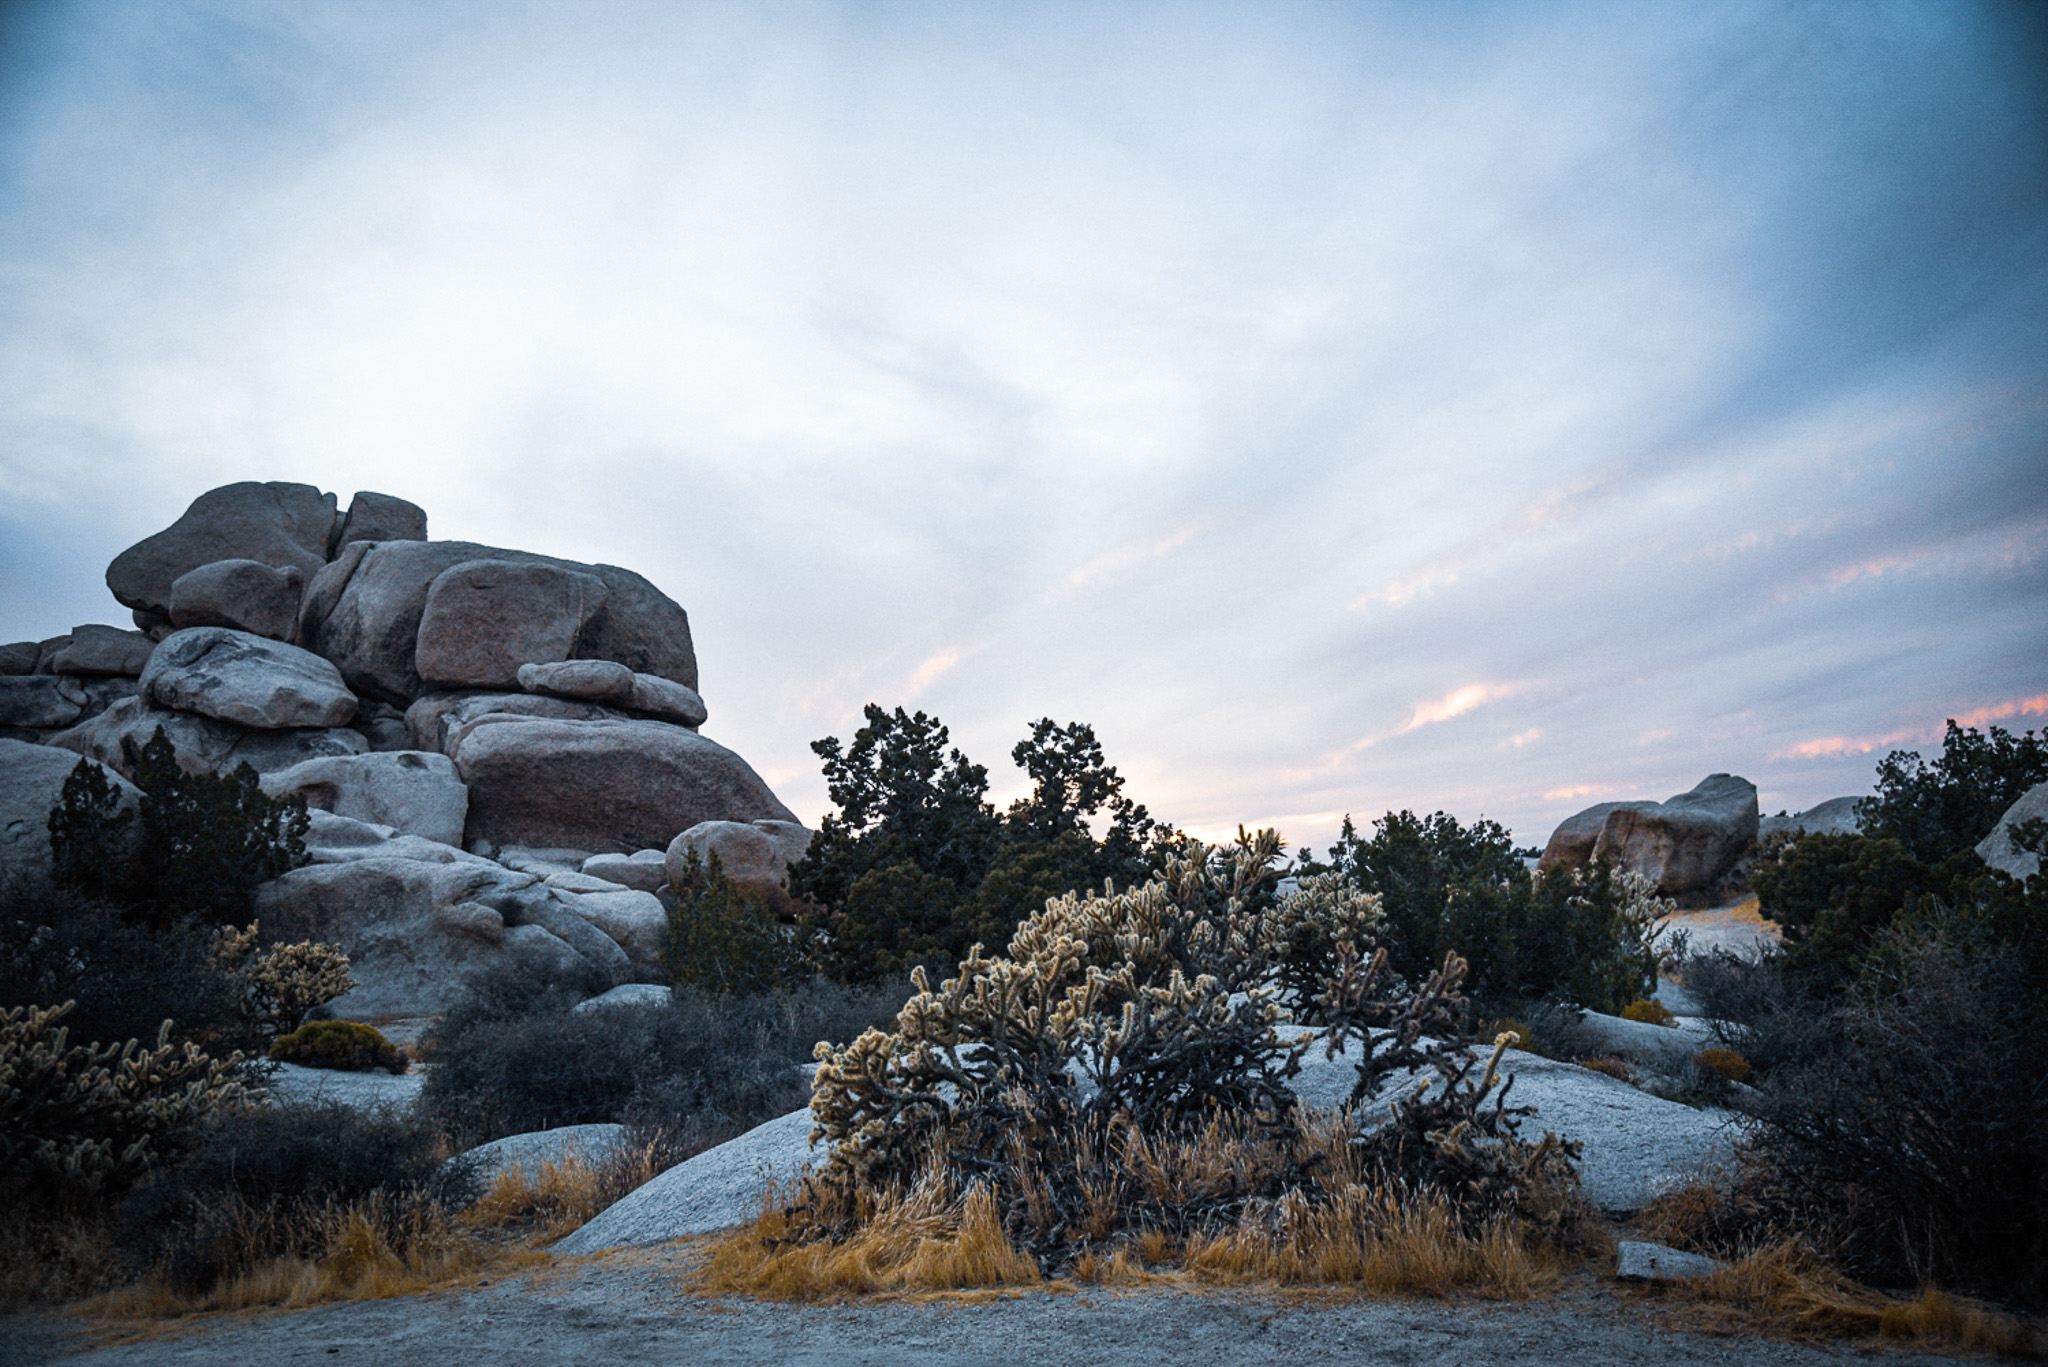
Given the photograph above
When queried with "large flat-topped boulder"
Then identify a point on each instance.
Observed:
(603, 681)
(413, 793)
(247, 679)
(247, 595)
(365, 611)
(278, 524)
(602, 786)
(31, 784)
(102, 651)
(484, 619)
(116, 736)
(1690, 846)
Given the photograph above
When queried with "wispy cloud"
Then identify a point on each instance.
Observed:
(1277, 388)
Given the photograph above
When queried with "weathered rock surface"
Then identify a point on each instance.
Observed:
(278, 524)
(1691, 846)
(634, 921)
(365, 613)
(628, 996)
(2000, 850)
(246, 595)
(603, 681)
(1636, 1145)
(1660, 1048)
(410, 791)
(246, 679)
(19, 657)
(756, 855)
(379, 517)
(383, 726)
(602, 786)
(414, 930)
(373, 1089)
(40, 701)
(1836, 816)
(484, 619)
(643, 870)
(31, 784)
(438, 720)
(717, 1189)
(592, 1143)
(103, 650)
(332, 839)
(592, 680)
(1639, 1261)
(47, 651)
(116, 736)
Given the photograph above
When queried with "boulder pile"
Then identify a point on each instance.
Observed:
(501, 749)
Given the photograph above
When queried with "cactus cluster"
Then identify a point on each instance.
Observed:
(1123, 1026)
(77, 1120)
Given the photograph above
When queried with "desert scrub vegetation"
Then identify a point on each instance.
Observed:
(346, 1045)
(915, 866)
(513, 1055)
(199, 845)
(1115, 1088)
(1585, 936)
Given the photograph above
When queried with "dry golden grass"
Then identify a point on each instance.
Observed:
(1360, 1239)
(1785, 1291)
(557, 1195)
(359, 1261)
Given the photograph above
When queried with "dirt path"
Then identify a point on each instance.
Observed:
(627, 1309)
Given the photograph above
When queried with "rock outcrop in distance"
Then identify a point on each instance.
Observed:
(501, 749)
(1694, 847)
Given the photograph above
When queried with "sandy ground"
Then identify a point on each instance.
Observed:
(628, 1308)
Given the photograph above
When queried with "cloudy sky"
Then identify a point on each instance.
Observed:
(1495, 408)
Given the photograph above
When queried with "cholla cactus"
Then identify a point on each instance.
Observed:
(1313, 930)
(1093, 1021)
(79, 1120)
(282, 983)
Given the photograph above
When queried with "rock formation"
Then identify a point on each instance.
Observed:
(2000, 850)
(1836, 816)
(1693, 847)
(499, 748)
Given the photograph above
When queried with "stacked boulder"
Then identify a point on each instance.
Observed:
(500, 748)
(1696, 848)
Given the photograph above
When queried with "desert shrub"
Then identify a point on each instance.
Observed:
(1648, 1011)
(1909, 1146)
(279, 983)
(202, 845)
(1582, 935)
(81, 1121)
(723, 938)
(271, 1182)
(1087, 1084)
(125, 979)
(510, 1060)
(1940, 809)
(346, 1045)
(1725, 1064)
(1611, 1067)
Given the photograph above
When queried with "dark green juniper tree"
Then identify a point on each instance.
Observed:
(916, 866)
(201, 845)
(1447, 887)
(1914, 862)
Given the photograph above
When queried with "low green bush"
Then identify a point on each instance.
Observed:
(346, 1045)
